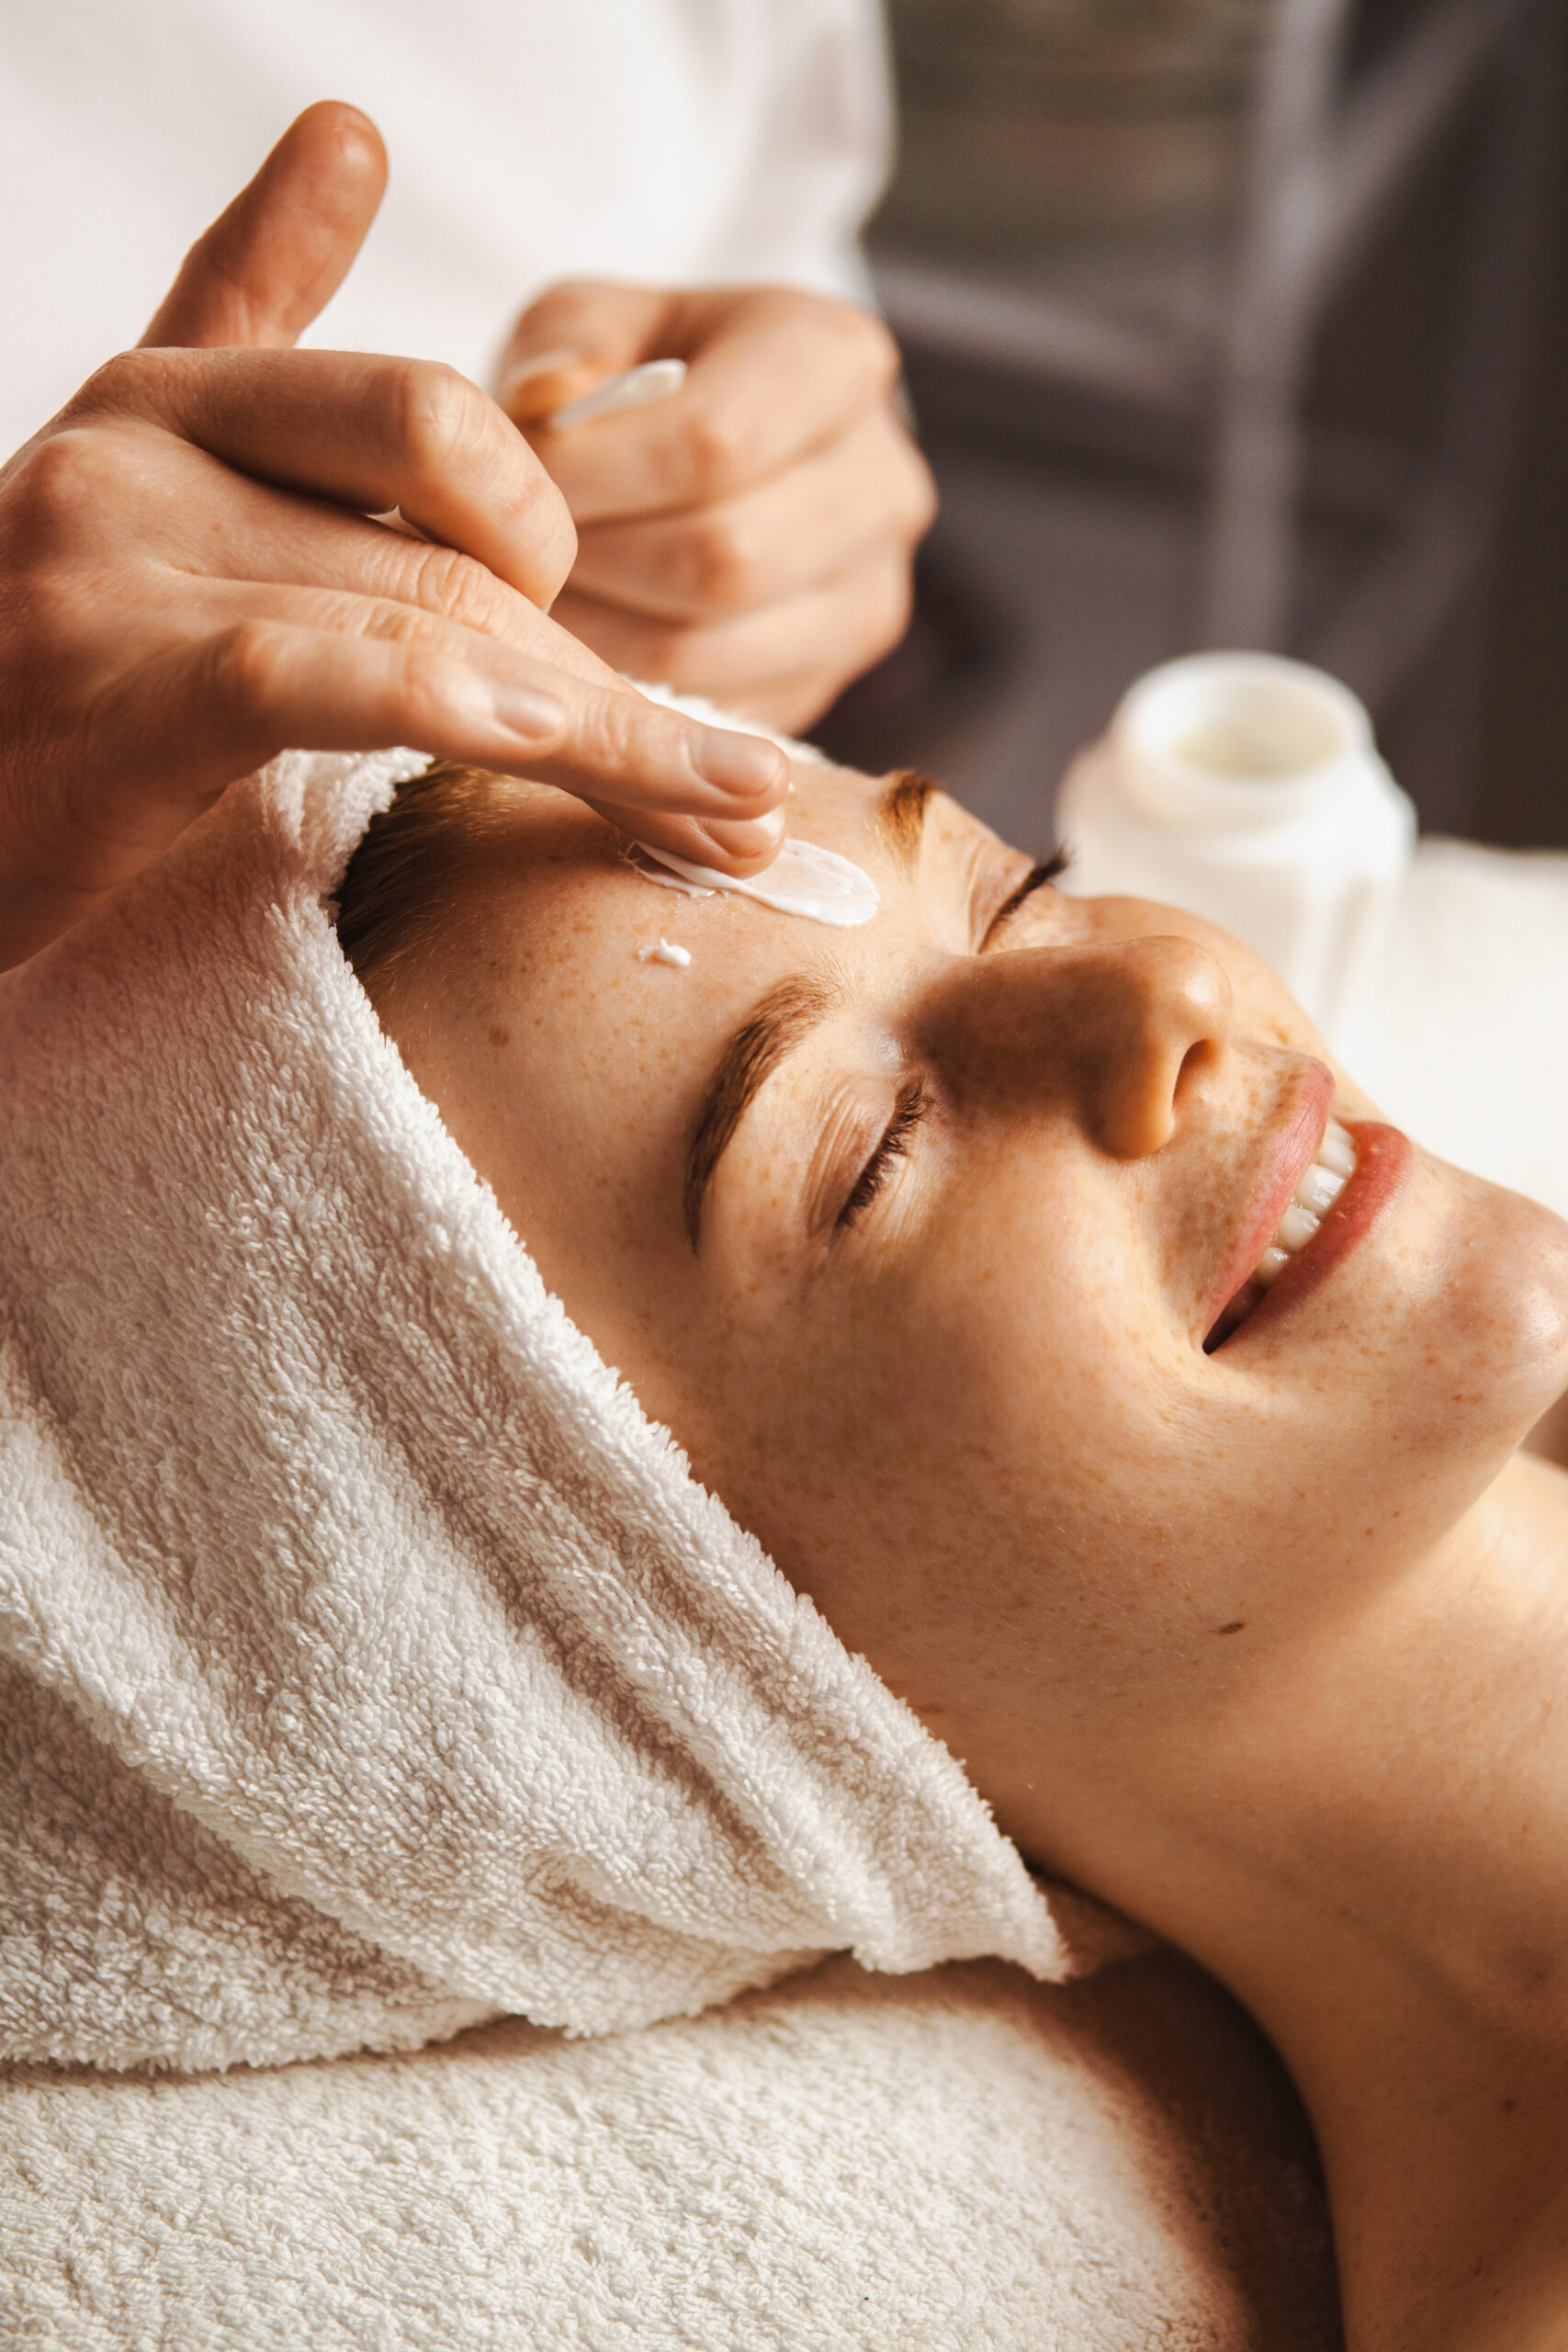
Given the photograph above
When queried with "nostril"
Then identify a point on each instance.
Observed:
(1200, 1058)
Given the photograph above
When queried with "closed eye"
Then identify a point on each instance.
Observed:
(894, 1143)
(1037, 877)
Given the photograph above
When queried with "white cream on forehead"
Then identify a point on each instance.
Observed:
(805, 879)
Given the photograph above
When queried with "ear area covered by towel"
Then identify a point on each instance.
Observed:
(377, 1664)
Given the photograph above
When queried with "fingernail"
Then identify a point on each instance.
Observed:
(754, 840)
(523, 711)
(546, 363)
(742, 764)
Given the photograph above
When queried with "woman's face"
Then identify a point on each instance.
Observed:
(914, 1234)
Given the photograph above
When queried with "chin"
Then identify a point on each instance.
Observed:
(1435, 1360)
(1503, 1306)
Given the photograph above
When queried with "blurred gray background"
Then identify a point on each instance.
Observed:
(1234, 323)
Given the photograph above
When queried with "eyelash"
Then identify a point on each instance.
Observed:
(894, 1143)
(913, 1098)
(1035, 879)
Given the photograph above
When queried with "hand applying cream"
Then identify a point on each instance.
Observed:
(814, 884)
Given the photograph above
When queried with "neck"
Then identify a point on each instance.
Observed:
(1383, 1880)
(1446, 2154)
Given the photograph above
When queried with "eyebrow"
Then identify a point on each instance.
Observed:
(787, 1014)
(776, 1025)
(900, 815)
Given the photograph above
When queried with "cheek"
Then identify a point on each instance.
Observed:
(978, 1475)
(999, 1471)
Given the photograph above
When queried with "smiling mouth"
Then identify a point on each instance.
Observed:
(1317, 1188)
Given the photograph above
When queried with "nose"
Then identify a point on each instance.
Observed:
(1126, 1028)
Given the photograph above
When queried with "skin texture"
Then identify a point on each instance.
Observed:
(750, 537)
(1268, 1646)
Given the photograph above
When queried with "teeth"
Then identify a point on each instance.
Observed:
(1337, 1151)
(1318, 1188)
(1296, 1228)
(1273, 1261)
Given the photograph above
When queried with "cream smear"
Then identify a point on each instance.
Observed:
(805, 879)
(665, 954)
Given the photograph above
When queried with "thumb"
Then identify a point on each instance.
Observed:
(277, 256)
(572, 338)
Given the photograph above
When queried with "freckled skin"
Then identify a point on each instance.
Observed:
(977, 1425)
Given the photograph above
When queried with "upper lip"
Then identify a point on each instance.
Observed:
(1290, 1148)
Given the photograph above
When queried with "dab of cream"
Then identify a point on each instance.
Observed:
(805, 879)
(664, 953)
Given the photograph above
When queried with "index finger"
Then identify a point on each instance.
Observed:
(772, 375)
(365, 432)
(275, 258)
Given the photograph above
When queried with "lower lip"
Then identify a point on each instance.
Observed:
(1383, 1160)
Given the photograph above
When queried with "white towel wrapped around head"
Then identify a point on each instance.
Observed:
(371, 1664)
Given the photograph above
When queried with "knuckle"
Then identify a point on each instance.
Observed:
(884, 609)
(63, 486)
(864, 342)
(125, 381)
(716, 438)
(247, 667)
(622, 733)
(552, 533)
(896, 603)
(59, 476)
(418, 634)
(460, 590)
(921, 503)
(421, 682)
(721, 561)
(878, 353)
(438, 416)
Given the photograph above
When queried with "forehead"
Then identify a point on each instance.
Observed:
(560, 901)
(572, 1061)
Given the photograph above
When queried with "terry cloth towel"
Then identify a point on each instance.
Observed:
(369, 1664)
(957, 2161)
